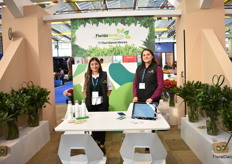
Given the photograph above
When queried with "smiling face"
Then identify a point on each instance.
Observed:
(147, 57)
(94, 66)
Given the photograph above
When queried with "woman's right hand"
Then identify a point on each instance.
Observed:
(135, 99)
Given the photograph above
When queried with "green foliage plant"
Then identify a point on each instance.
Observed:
(37, 97)
(3, 117)
(188, 92)
(210, 99)
(226, 108)
(3, 110)
(12, 105)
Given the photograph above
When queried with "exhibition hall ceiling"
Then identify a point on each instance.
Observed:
(164, 26)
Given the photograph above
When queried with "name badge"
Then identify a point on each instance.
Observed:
(141, 85)
(95, 94)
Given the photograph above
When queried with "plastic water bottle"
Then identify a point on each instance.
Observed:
(69, 110)
(83, 108)
(76, 108)
(80, 110)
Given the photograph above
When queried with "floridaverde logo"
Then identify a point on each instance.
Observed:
(151, 71)
(121, 34)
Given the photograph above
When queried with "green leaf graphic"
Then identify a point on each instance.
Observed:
(126, 32)
(127, 36)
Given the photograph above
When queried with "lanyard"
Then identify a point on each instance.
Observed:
(94, 84)
(143, 74)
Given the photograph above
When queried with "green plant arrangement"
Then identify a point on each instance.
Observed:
(226, 108)
(216, 100)
(226, 111)
(210, 99)
(3, 113)
(37, 97)
(12, 105)
(3, 117)
(188, 92)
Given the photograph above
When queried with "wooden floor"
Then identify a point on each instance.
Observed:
(177, 151)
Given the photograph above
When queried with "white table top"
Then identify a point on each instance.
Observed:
(107, 121)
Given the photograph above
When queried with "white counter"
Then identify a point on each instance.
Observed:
(30, 141)
(202, 144)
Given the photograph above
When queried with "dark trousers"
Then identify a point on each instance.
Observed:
(62, 79)
(98, 136)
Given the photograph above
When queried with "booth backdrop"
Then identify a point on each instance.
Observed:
(121, 76)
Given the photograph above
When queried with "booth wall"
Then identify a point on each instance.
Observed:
(190, 50)
(30, 60)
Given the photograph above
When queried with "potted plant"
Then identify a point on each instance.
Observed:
(12, 105)
(226, 114)
(226, 108)
(3, 117)
(37, 97)
(210, 99)
(188, 92)
(169, 86)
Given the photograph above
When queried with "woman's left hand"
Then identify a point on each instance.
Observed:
(149, 100)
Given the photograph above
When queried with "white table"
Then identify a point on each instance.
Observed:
(202, 144)
(108, 121)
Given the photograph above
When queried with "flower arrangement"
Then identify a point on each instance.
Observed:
(69, 94)
(57, 75)
(170, 85)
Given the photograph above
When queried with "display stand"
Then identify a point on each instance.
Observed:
(31, 140)
(202, 144)
(169, 113)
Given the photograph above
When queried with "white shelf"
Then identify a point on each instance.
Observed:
(30, 141)
(202, 144)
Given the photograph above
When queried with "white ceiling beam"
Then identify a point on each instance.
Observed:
(16, 6)
(53, 7)
(206, 4)
(175, 3)
(156, 13)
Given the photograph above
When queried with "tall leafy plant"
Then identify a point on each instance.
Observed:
(188, 92)
(226, 107)
(37, 97)
(12, 105)
(210, 98)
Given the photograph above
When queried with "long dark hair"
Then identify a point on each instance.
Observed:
(151, 52)
(89, 71)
